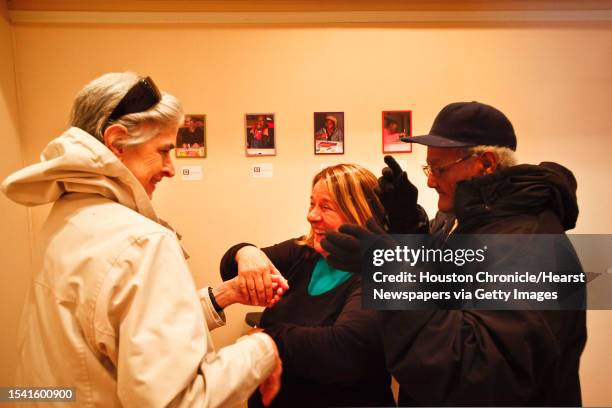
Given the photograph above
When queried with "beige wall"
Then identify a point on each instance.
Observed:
(14, 244)
(308, 5)
(555, 83)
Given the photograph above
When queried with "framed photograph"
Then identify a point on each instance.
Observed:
(259, 133)
(191, 137)
(329, 132)
(395, 125)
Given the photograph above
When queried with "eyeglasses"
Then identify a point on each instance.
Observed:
(141, 97)
(437, 171)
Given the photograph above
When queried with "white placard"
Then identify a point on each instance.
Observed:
(262, 170)
(191, 173)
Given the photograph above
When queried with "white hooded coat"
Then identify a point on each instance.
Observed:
(113, 310)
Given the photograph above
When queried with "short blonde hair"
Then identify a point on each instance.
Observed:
(96, 101)
(351, 187)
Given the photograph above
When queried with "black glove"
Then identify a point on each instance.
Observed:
(399, 197)
(344, 246)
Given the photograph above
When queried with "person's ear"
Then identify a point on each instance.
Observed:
(489, 162)
(113, 135)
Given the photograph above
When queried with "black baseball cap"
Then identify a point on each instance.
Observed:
(466, 124)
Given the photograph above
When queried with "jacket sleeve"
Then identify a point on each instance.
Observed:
(456, 357)
(338, 354)
(213, 319)
(150, 325)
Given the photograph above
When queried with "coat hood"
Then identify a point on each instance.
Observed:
(76, 162)
(522, 189)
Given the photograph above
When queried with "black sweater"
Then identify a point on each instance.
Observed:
(331, 348)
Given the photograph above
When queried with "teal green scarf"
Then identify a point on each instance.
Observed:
(325, 278)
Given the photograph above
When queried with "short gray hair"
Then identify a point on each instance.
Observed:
(96, 101)
(506, 157)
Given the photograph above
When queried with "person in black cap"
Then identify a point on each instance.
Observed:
(477, 357)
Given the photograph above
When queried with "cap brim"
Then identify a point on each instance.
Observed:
(435, 141)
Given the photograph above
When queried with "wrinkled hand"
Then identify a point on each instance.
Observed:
(255, 272)
(279, 287)
(270, 387)
(231, 291)
(345, 245)
(399, 197)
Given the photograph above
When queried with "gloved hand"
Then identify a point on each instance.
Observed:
(399, 197)
(344, 246)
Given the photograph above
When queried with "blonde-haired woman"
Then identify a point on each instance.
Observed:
(330, 347)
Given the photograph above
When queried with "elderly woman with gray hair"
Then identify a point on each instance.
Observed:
(112, 310)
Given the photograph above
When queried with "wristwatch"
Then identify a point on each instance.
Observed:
(218, 308)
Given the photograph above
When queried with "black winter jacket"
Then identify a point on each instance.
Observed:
(494, 358)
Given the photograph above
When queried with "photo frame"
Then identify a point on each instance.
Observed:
(395, 125)
(329, 133)
(191, 137)
(260, 138)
